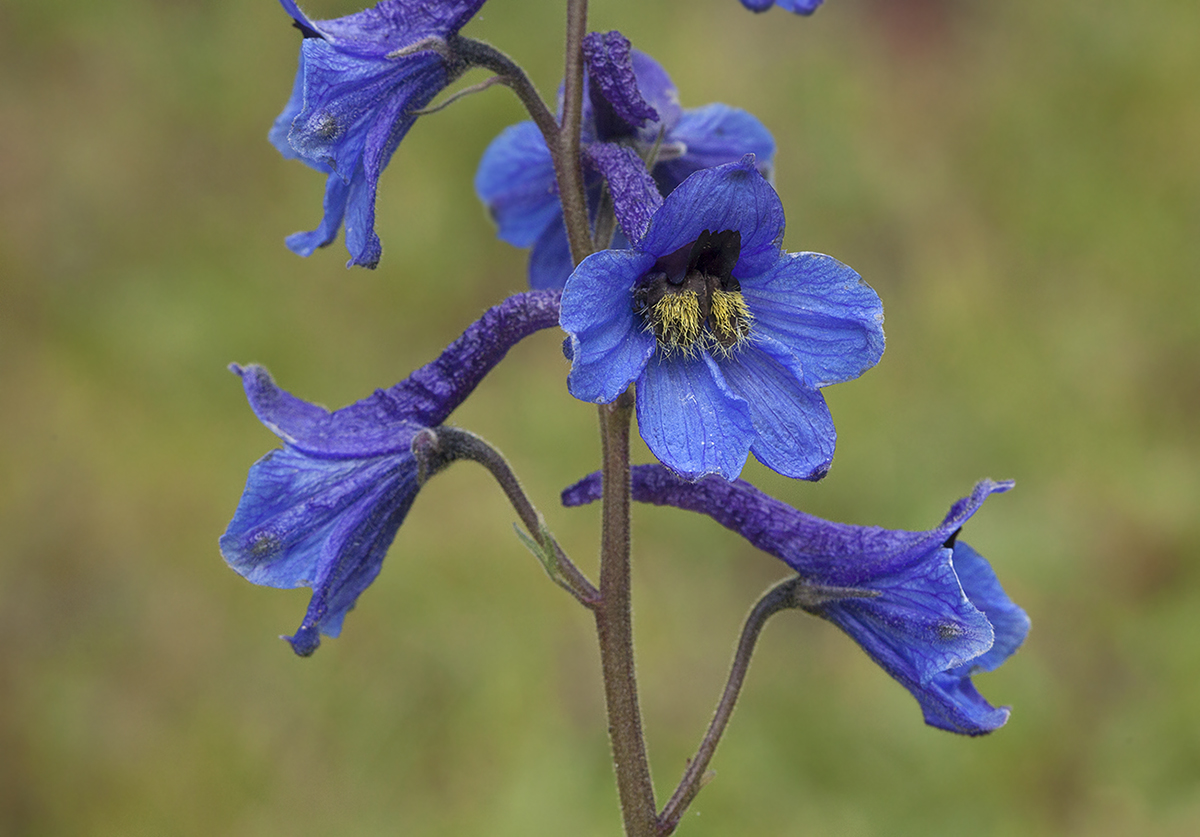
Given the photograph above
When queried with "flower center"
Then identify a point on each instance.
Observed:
(691, 300)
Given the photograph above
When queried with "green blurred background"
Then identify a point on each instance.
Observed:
(1019, 180)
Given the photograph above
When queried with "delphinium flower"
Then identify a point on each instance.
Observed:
(361, 80)
(727, 337)
(322, 511)
(800, 7)
(629, 100)
(924, 605)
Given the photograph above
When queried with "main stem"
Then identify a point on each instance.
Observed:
(614, 627)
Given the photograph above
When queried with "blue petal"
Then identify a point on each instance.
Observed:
(690, 419)
(290, 507)
(609, 347)
(337, 194)
(758, 5)
(319, 523)
(730, 197)
(794, 431)
(800, 7)
(356, 548)
(1010, 622)
(392, 24)
(714, 135)
(921, 624)
(278, 134)
(516, 182)
(351, 100)
(659, 91)
(822, 311)
(634, 194)
(550, 261)
(953, 703)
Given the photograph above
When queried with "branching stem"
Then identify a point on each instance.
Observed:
(780, 597)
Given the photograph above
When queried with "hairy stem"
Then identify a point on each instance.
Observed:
(510, 73)
(437, 448)
(780, 597)
(614, 627)
(570, 171)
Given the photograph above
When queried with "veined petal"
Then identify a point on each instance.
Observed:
(352, 557)
(794, 431)
(713, 135)
(690, 419)
(278, 135)
(1010, 622)
(608, 344)
(822, 311)
(954, 704)
(351, 101)
(921, 624)
(319, 523)
(391, 24)
(337, 195)
(516, 183)
(729, 197)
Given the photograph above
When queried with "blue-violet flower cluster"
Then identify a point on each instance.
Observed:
(800, 7)
(924, 605)
(629, 101)
(361, 80)
(727, 337)
(322, 511)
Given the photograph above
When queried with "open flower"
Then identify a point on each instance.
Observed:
(361, 80)
(727, 337)
(630, 100)
(800, 7)
(924, 605)
(322, 511)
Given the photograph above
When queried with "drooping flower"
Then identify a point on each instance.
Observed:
(800, 7)
(728, 338)
(322, 512)
(360, 82)
(924, 605)
(631, 101)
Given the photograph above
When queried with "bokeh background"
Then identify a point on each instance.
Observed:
(1020, 181)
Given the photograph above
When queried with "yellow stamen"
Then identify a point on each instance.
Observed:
(677, 321)
(729, 319)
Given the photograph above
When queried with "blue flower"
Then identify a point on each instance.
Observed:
(800, 7)
(322, 512)
(924, 605)
(361, 80)
(630, 100)
(727, 337)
